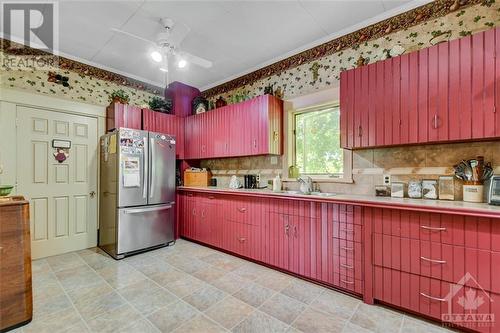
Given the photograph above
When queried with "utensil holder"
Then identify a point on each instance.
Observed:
(473, 193)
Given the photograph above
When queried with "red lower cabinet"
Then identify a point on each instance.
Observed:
(319, 241)
(441, 266)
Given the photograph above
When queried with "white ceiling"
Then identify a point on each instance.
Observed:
(237, 36)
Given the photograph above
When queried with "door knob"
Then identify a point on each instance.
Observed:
(92, 194)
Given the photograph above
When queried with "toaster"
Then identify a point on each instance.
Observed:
(493, 190)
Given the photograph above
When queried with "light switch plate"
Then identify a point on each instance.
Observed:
(387, 179)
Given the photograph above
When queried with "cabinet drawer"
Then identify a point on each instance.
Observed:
(348, 231)
(437, 260)
(467, 231)
(243, 210)
(433, 298)
(241, 238)
(347, 249)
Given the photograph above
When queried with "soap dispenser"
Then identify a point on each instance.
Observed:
(277, 184)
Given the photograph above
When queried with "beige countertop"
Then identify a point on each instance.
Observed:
(440, 206)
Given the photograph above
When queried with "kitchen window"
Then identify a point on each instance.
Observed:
(315, 140)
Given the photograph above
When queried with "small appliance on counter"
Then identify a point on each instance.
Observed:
(137, 191)
(250, 181)
(197, 177)
(493, 190)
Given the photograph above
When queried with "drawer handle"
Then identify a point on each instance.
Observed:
(346, 266)
(242, 210)
(434, 298)
(432, 228)
(347, 282)
(347, 248)
(211, 197)
(242, 239)
(434, 260)
(190, 194)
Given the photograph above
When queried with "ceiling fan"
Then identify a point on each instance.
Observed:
(167, 46)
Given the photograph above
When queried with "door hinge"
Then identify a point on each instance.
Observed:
(17, 122)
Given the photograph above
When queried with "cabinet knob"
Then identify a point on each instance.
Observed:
(92, 194)
(242, 210)
(242, 239)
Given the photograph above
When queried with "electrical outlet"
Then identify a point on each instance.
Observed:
(274, 160)
(387, 179)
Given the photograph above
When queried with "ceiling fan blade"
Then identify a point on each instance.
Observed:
(133, 36)
(195, 59)
(178, 33)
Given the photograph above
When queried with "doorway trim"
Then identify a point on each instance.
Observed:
(10, 100)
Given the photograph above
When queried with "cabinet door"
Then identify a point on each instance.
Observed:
(213, 224)
(192, 136)
(300, 245)
(279, 240)
(220, 135)
(344, 109)
(496, 109)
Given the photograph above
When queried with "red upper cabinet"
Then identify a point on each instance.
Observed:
(165, 123)
(123, 115)
(447, 92)
(253, 127)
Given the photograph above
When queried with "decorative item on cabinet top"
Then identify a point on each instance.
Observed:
(159, 104)
(119, 96)
(200, 105)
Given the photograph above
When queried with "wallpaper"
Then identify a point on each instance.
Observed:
(324, 73)
(81, 87)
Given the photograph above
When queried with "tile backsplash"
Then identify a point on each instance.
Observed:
(369, 165)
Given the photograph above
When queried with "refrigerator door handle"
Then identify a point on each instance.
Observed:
(153, 168)
(144, 173)
(144, 210)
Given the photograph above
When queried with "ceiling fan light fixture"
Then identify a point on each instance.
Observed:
(156, 56)
(182, 63)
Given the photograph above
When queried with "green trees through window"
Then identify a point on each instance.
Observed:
(317, 142)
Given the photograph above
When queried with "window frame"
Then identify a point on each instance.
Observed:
(290, 158)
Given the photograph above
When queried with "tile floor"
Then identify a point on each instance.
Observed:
(192, 288)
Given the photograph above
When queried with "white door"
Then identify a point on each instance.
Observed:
(63, 201)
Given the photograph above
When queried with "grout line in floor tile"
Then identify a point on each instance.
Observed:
(69, 298)
(352, 315)
(123, 298)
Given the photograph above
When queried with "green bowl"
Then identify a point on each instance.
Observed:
(5, 190)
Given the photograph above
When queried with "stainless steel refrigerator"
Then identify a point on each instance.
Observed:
(137, 191)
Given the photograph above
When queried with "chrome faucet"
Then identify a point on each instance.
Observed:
(306, 185)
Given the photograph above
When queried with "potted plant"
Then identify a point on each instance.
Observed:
(159, 104)
(119, 96)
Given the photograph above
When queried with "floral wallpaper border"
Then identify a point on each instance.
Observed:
(402, 21)
(12, 48)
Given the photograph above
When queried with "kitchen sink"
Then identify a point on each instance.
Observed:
(323, 194)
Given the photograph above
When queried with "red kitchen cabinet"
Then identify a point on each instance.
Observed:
(165, 123)
(419, 256)
(123, 115)
(192, 138)
(447, 92)
(253, 127)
